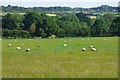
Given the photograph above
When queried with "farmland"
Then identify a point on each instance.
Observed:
(53, 60)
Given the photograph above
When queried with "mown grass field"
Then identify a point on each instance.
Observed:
(53, 60)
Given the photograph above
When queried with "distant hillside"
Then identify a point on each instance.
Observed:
(103, 8)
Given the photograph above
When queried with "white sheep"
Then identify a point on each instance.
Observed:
(82, 39)
(27, 50)
(39, 37)
(93, 49)
(18, 48)
(65, 45)
(104, 39)
(9, 45)
(83, 49)
(91, 46)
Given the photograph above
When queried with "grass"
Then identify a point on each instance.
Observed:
(53, 60)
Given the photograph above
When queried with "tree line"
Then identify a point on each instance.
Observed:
(34, 24)
(102, 8)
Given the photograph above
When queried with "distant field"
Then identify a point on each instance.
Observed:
(53, 60)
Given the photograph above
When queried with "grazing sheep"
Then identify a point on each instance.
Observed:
(9, 45)
(27, 50)
(104, 39)
(83, 49)
(91, 46)
(18, 48)
(65, 45)
(39, 37)
(93, 49)
(39, 45)
(50, 37)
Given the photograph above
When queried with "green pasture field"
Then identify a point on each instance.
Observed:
(53, 60)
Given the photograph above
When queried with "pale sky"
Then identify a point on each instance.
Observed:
(67, 3)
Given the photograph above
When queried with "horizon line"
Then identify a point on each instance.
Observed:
(56, 6)
(74, 4)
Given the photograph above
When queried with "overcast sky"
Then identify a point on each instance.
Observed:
(68, 3)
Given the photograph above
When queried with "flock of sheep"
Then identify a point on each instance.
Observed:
(84, 49)
(91, 47)
(65, 45)
(18, 48)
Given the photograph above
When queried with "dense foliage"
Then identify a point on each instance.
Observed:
(33, 24)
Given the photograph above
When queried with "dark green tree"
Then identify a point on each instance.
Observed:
(50, 27)
(108, 18)
(18, 18)
(115, 27)
(84, 30)
(71, 27)
(99, 28)
(66, 23)
(8, 22)
(83, 18)
(12, 21)
(30, 18)
(47, 27)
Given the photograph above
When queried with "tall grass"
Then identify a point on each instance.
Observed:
(53, 60)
